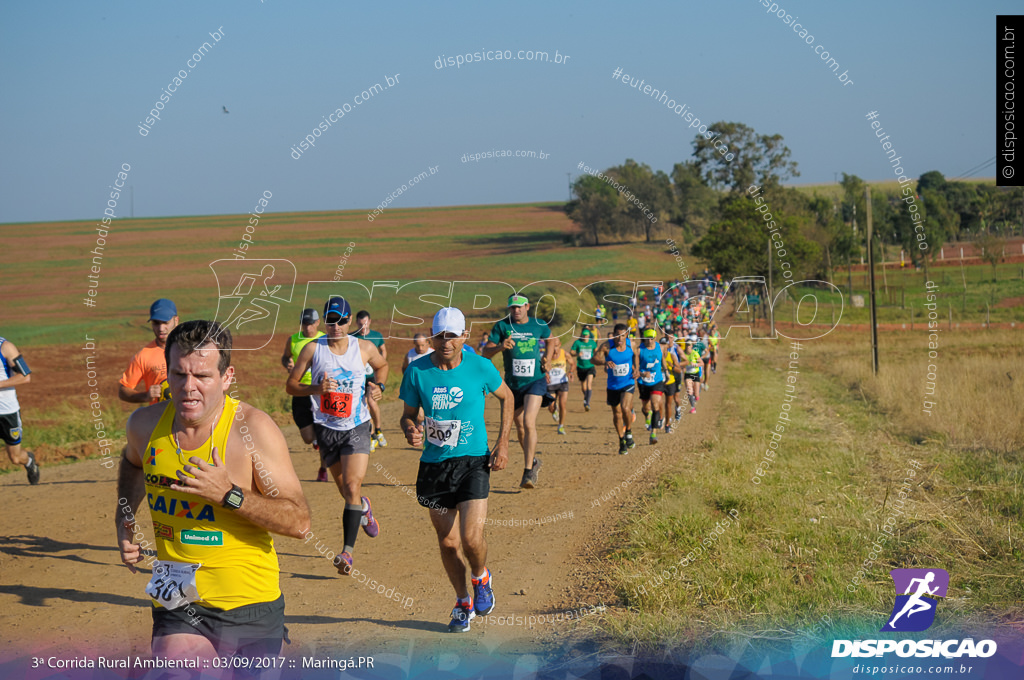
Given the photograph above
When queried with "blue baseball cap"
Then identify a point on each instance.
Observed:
(337, 305)
(162, 310)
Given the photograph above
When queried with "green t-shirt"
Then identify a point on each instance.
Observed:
(373, 336)
(699, 347)
(453, 404)
(584, 352)
(522, 363)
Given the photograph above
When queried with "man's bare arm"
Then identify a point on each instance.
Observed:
(293, 386)
(10, 352)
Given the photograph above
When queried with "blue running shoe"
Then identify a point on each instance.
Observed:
(369, 523)
(483, 595)
(461, 616)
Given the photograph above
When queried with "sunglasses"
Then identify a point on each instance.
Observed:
(334, 320)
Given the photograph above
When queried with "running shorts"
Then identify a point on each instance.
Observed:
(337, 443)
(251, 630)
(615, 396)
(302, 411)
(646, 391)
(451, 481)
(10, 428)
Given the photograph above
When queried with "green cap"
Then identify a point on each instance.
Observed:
(517, 300)
(650, 333)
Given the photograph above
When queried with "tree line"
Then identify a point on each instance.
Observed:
(708, 203)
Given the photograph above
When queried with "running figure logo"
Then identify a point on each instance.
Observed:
(915, 611)
(249, 297)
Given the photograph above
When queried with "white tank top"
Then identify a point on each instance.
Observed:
(345, 409)
(8, 395)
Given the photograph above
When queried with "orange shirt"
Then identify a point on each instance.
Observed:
(148, 367)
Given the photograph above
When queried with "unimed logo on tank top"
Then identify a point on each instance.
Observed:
(445, 398)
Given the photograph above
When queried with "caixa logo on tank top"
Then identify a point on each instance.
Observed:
(445, 398)
(177, 507)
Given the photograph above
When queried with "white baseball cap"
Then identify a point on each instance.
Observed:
(449, 320)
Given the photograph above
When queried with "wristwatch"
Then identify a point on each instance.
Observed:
(233, 499)
(381, 386)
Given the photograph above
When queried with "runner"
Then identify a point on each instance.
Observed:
(559, 375)
(703, 347)
(620, 363)
(454, 474)
(364, 333)
(149, 367)
(342, 423)
(651, 381)
(713, 341)
(302, 407)
(420, 348)
(518, 339)
(13, 372)
(216, 582)
(583, 351)
(672, 380)
(691, 373)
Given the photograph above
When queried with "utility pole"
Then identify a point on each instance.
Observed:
(871, 274)
(568, 178)
(770, 301)
(132, 194)
(849, 266)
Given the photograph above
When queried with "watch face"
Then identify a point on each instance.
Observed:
(234, 498)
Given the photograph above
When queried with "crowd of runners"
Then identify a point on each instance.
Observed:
(218, 477)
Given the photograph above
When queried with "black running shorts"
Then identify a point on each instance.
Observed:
(250, 630)
(449, 482)
(646, 391)
(302, 411)
(582, 373)
(10, 428)
(615, 396)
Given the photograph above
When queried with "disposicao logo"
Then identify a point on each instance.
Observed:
(915, 611)
(917, 593)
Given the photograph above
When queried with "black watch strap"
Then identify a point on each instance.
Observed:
(233, 498)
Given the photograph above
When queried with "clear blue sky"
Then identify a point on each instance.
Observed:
(78, 77)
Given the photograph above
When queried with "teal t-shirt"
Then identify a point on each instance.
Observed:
(585, 352)
(699, 347)
(453, 403)
(522, 363)
(373, 336)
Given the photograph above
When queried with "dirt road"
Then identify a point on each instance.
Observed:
(63, 589)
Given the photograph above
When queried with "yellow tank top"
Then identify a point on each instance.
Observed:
(296, 343)
(239, 563)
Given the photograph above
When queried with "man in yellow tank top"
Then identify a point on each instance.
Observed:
(302, 407)
(218, 479)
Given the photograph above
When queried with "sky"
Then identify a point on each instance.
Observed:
(78, 79)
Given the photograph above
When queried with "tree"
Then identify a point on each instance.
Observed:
(992, 247)
(595, 208)
(931, 181)
(641, 186)
(757, 159)
(696, 202)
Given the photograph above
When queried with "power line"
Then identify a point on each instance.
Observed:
(975, 168)
(992, 162)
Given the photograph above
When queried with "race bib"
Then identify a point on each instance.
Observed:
(620, 370)
(523, 368)
(337, 404)
(442, 432)
(586, 354)
(173, 584)
(556, 375)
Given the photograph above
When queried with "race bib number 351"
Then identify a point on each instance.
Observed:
(443, 432)
(173, 584)
(523, 368)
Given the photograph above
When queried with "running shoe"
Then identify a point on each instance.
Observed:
(633, 411)
(654, 438)
(561, 430)
(586, 406)
(629, 440)
(32, 468)
(321, 476)
(713, 370)
(369, 523)
(316, 445)
(344, 563)
(380, 439)
(649, 419)
(668, 429)
(693, 410)
(530, 476)
(461, 616)
(373, 443)
(623, 449)
(483, 594)
(679, 413)
(554, 415)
